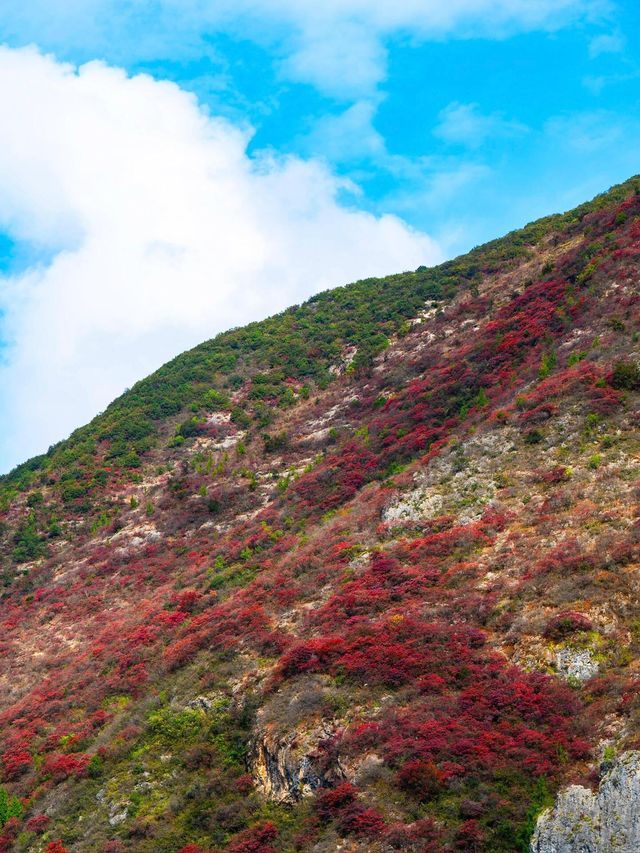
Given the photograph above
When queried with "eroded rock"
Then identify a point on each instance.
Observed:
(577, 664)
(416, 505)
(287, 768)
(605, 821)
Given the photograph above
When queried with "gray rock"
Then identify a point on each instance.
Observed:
(200, 703)
(118, 813)
(415, 505)
(607, 821)
(576, 663)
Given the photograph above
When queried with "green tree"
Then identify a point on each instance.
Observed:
(9, 806)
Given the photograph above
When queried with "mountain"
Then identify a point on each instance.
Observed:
(360, 577)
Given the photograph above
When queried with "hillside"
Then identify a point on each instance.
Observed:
(360, 577)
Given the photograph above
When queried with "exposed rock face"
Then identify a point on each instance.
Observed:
(417, 504)
(286, 768)
(578, 664)
(607, 821)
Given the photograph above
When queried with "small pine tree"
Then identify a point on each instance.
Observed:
(9, 807)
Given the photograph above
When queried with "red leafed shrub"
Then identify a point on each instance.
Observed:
(539, 414)
(9, 834)
(192, 848)
(567, 557)
(61, 767)
(605, 400)
(341, 804)
(337, 479)
(256, 839)
(391, 652)
(470, 837)
(15, 763)
(558, 474)
(56, 847)
(187, 600)
(244, 784)
(311, 656)
(359, 820)
(182, 651)
(328, 803)
(38, 823)
(503, 720)
(564, 624)
(422, 779)
(441, 544)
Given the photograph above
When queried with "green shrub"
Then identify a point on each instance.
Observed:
(174, 726)
(626, 376)
(29, 545)
(534, 436)
(9, 807)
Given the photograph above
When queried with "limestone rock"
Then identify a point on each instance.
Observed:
(286, 768)
(576, 663)
(605, 821)
(414, 506)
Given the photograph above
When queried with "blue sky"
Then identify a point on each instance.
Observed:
(302, 145)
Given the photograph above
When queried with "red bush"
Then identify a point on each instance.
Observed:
(422, 779)
(329, 802)
(38, 823)
(62, 766)
(256, 839)
(566, 623)
(56, 847)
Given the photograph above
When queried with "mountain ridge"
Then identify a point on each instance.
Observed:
(358, 577)
(520, 238)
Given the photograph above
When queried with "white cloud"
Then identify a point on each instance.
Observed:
(606, 43)
(162, 231)
(465, 124)
(350, 135)
(336, 45)
(595, 132)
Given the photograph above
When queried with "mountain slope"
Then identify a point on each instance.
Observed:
(359, 577)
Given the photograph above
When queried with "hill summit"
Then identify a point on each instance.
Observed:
(360, 577)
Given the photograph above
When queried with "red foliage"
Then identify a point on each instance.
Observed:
(421, 778)
(337, 479)
(256, 839)
(38, 823)
(502, 719)
(15, 763)
(557, 474)
(359, 820)
(62, 766)
(470, 837)
(335, 799)
(341, 804)
(391, 652)
(566, 623)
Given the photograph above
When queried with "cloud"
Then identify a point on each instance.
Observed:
(606, 43)
(347, 136)
(159, 231)
(338, 46)
(595, 132)
(465, 124)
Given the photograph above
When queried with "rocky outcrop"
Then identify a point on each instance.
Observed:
(287, 767)
(414, 506)
(607, 821)
(576, 664)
